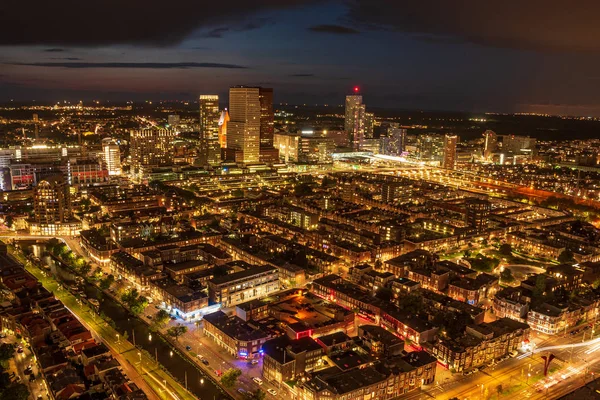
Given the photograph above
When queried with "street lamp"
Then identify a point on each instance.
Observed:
(528, 375)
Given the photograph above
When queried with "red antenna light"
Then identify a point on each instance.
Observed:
(356, 88)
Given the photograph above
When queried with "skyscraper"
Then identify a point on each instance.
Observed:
(243, 130)
(490, 144)
(449, 161)
(209, 149)
(397, 139)
(369, 125)
(111, 154)
(151, 147)
(223, 121)
(209, 116)
(354, 121)
(267, 117)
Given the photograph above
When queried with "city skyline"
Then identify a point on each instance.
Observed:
(309, 53)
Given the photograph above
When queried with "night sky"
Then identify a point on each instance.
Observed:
(541, 56)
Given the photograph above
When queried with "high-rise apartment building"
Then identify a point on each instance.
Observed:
(111, 154)
(209, 116)
(151, 147)
(430, 147)
(243, 129)
(397, 139)
(369, 125)
(51, 200)
(52, 208)
(449, 161)
(354, 121)
(267, 117)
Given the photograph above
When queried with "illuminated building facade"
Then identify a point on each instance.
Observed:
(151, 147)
(243, 129)
(449, 161)
(209, 116)
(112, 156)
(52, 208)
(354, 121)
(267, 117)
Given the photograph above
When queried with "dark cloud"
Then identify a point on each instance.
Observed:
(336, 29)
(548, 25)
(246, 26)
(67, 58)
(55, 50)
(81, 65)
(216, 33)
(131, 22)
(302, 75)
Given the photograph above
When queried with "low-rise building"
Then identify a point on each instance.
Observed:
(239, 338)
(286, 359)
(240, 287)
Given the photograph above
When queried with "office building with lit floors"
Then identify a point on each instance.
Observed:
(243, 129)
(52, 208)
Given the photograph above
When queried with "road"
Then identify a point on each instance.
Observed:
(146, 374)
(20, 362)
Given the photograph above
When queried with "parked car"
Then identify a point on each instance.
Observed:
(254, 362)
(188, 348)
(272, 391)
(258, 381)
(204, 361)
(242, 391)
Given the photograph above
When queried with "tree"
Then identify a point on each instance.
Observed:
(384, 293)
(139, 305)
(506, 275)
(130, 296)
(412, 303)
(7, 350)
(16, 391)
(258, 394)
(85, 269)
(8, 221)
(160, 320)
(230, 377)
(302, 189)
(539, 289)
(467, 253)
(505, 249)
(107, 282)
(176, 331)
(566, 256)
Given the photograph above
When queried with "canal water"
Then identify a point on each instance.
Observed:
(177, 364)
